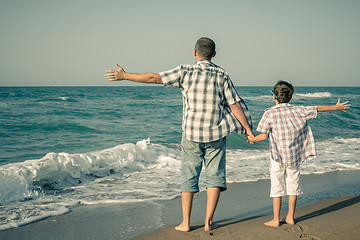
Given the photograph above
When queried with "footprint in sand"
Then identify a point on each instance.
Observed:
(293, 228)
(309, 237)
(303, 227)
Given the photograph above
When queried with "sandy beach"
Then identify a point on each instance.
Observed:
(335, 218)
(328, 209)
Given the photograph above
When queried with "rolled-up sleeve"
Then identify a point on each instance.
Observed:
(264, 124)
(309, 112)
(230, 93)
(171, 78)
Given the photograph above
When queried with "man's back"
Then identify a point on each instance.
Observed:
(207, 92)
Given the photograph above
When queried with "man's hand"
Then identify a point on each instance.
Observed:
(117, 75)
(250, 139)
(249, 134)
(342, 106)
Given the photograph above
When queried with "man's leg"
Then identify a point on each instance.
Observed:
(186, 202)
(291, 211)
(275, 222)
(215, 167)
(191, 164)
(213, 194)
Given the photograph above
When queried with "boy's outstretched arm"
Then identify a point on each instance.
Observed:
(258, 138)
(338, 107)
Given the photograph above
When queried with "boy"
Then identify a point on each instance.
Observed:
(291, 142)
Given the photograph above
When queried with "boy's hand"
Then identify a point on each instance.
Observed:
(342, 106)
(249, 139)
(117, 75)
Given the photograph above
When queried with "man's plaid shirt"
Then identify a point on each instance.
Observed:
(290, 137)
(207, 93)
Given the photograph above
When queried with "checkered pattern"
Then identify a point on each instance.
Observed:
(207, 93)
(290, 137)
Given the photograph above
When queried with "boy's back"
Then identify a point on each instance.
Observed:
(290, 137)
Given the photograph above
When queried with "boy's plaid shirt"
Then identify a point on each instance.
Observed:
(207, 93)
(290, 137)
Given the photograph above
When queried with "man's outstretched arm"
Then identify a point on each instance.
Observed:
(120, 74)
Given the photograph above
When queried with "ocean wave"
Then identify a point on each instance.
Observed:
(59, 170)
(258, 98)
(36, 189)
(314, 95)
(298, 95)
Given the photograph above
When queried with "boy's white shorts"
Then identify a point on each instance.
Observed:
(284, 180)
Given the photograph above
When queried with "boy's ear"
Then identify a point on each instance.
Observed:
(275, 100)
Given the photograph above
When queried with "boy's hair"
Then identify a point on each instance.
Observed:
(283, 91)
(205, 47)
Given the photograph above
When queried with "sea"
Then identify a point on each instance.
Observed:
(62, 147)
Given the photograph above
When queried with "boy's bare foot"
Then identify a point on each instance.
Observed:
(182, 227)
(290, 221)
(211, 227)
(272, 223)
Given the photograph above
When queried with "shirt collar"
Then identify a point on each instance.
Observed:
(281, 105)
(205, 61)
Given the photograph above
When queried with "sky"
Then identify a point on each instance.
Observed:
(258, 42)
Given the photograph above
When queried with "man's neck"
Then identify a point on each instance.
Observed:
(202, 59)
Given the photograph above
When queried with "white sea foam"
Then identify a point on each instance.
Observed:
(314, 95)
(258, 98)
(296, 95)
(63, 98)
(133, 173)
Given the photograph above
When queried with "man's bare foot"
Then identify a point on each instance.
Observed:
(211, 227)
(290, 221)
(272, 223)
(182, 227)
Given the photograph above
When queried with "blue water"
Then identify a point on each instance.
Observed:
(61, 146)
(37, 120)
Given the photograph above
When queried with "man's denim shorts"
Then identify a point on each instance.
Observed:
(193, 155)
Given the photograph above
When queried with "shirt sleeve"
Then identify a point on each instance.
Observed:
(264, 125)
(230, 93)
(309, 112)
(171, 78)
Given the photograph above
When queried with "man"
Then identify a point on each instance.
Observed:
(211, 109)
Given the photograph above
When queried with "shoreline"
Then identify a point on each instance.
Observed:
(242, 203)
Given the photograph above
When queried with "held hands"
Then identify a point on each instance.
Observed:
(250, 139)
(249, 135)
(342, 106)
(117, 75)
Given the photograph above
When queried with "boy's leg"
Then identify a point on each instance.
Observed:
(293, 190)
(278, 189)
(291, 211)
(186, 202)
(275, 222)
(213, 194)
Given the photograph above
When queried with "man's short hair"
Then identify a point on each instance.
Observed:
(205, 47)
(283, 91)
